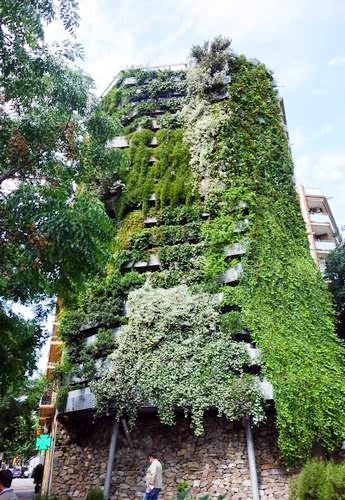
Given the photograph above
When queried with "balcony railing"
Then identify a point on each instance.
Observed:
(266, 389)
(325, 246)
(234, 250)
(319, 217)
(80, 399)
(118, 142)
(232, 274)
(48, 398)
(253, 353)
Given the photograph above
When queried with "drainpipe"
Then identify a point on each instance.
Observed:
(111, 456)
(126, 431)
(251, 460)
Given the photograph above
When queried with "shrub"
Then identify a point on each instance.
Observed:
(319, 480)
(95, 494)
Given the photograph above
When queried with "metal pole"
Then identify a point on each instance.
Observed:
(251, 460)
(126, 431)
(111, 456)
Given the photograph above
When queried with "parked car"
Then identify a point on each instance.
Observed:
(16, 472)
(25, 472)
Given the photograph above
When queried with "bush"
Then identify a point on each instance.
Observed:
(95, 494)
(319, 480)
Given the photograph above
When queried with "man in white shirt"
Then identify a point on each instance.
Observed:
(153, 478)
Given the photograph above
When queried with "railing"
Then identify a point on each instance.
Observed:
(319, 217)
(266, 389)
(118, 142)
(80, 399)
(48, 398)
(325, 246)
(253, 353)
(235, 249)
(232, 274)
(91, 339)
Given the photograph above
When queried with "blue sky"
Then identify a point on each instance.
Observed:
(302, 41)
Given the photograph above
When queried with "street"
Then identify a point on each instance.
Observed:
(24, 488)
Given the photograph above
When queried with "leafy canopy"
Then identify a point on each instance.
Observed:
(54, 230)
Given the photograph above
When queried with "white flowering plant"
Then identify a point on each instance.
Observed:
(173, 354)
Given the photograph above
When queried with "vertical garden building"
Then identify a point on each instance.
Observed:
(210, 314)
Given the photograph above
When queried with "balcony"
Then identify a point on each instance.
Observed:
(266, 389)
(118, 142)
(91, 339)
(130, 80)
(80, 400)
(232, 275)
(47, 405)
(253, 353)
(150, 221)
(143, 266)
(234, 250)
(241, 226)
(55, 350)
(325, 246)
(319, 217)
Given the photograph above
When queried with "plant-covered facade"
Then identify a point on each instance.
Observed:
(210, 260)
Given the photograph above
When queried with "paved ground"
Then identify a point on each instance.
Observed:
(24, 488)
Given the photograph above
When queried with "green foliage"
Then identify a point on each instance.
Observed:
(95, 494)
(173, 354)
(21, 341)
(182, 486)
(169, 177)
(319, 480)
(61, 397)
(53, 135)
(18, 418)
(282, 297)
(228, 157)
(335, 275)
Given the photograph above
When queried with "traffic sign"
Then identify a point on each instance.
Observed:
(43, 442)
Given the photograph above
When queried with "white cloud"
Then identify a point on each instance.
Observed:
(326, 129)
(298, 138)
(294, 74)
(337, 61)
(327, 169)
(318, 91)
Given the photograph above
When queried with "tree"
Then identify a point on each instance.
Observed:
(18, 419)
(54, 230)
(335, 275)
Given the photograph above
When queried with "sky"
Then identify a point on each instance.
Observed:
(302, 41)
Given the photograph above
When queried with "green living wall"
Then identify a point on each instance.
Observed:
(209, 144)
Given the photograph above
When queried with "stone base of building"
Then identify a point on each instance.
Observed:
(213, 464)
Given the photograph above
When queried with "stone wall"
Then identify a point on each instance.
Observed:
(215, 463)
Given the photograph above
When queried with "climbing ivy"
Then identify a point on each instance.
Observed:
(282, 297)
(221, 172)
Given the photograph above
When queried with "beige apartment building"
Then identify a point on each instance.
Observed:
(322, 231)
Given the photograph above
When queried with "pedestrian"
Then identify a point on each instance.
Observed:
(37, 476)
(153, 478)
(6, 492)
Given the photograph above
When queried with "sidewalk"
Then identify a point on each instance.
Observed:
(24, 488)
